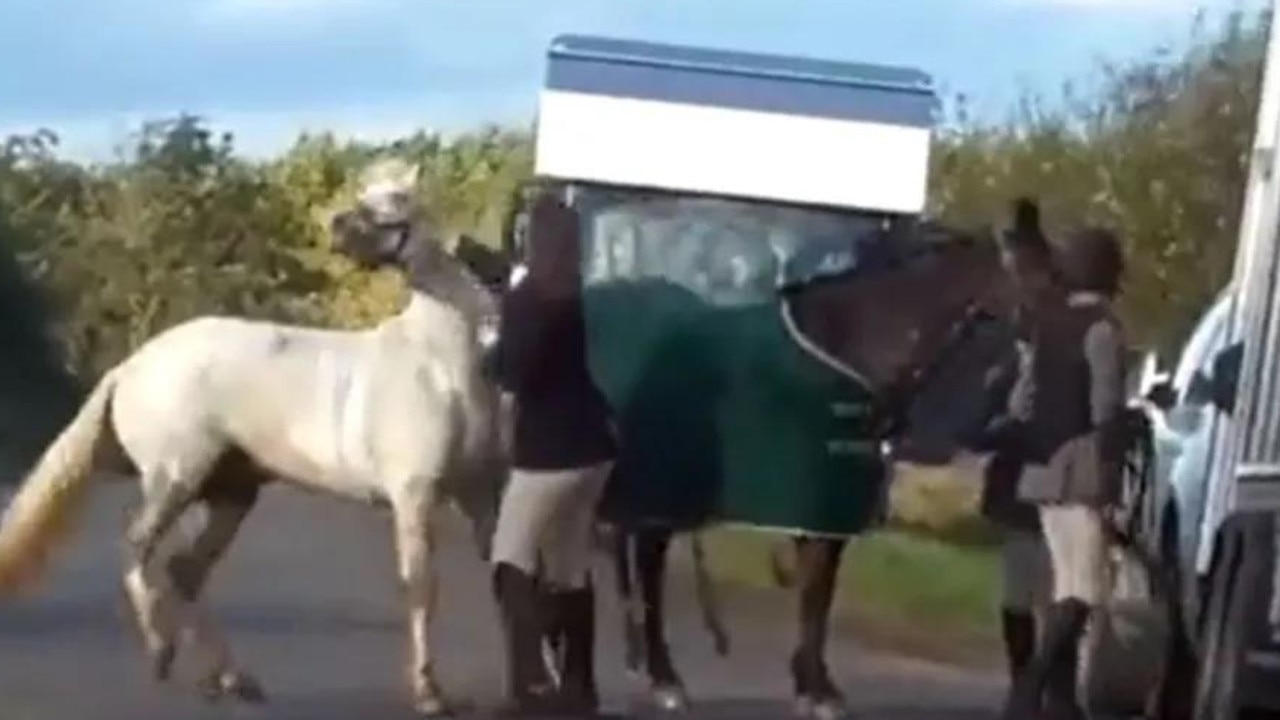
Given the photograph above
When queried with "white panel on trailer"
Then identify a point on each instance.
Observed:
(736, 124)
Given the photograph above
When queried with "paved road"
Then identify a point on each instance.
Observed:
(308, 600)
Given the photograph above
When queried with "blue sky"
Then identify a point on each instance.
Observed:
(266, 69)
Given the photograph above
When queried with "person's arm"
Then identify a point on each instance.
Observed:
(520, 351)
(1104, 353)
(997, 424)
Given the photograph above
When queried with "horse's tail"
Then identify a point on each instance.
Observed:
(47, 504)
(708, 601)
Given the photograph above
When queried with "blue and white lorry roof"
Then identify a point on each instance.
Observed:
(800, 130)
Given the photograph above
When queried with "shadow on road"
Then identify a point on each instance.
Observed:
(351, 706)
(773, 710)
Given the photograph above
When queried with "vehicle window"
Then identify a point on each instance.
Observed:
(1200, 350)
(729, 252)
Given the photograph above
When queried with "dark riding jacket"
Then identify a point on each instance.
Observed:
(561, 417)
(1072, 403)
(1003, 471)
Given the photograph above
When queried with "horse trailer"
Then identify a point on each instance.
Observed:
(708, 181)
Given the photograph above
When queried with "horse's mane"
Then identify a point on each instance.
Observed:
(925, 239)
(491, 266)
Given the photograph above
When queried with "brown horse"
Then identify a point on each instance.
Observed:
(926, 363)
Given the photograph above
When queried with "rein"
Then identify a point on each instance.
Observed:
(899, 393)
(892, 398)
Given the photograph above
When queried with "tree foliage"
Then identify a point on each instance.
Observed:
(94, 259)
(1157, 152)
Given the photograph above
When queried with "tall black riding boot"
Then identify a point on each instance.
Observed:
(578, 679)
(529, 689)
(552, 608)
(1019, 629)
(1061, 697)
(1064, 625)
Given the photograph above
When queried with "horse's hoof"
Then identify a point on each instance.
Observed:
(670, 698)
(432, 706)
(162, 659)
(237, 686)
(429, 702)
(245, 688)
(810, 708)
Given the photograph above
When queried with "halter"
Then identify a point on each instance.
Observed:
(403, 230)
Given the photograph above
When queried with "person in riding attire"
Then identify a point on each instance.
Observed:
(563, 451)
(1070, 400)
(1025, 570)
(1024, 559)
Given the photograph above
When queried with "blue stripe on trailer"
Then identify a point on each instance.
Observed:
(745, 81)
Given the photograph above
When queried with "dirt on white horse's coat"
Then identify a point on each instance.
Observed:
(209, 410)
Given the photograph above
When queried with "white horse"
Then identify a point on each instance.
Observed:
(208, 411)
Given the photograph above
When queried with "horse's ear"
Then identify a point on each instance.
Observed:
(1026, 217)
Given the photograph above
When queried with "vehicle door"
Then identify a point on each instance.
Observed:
(1184, 427)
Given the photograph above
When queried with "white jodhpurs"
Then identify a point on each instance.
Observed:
(546, 522)
(1025, 572)
(1078, 551)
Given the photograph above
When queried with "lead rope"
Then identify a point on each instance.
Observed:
(897, 394)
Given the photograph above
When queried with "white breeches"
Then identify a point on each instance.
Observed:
(1026, 574)
(1078, 550)
(546, 521)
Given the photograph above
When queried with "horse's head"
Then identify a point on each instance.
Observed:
(382, 227)
(925, 330)
(1026, 254)
(389, 227)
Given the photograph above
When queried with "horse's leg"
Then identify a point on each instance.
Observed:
(164, 498)
(817, 562)
(189, 570)
(414, 514)
(651, 558)
(624, 565)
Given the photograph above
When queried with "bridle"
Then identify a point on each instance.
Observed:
(895, 397)
(403, 231)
